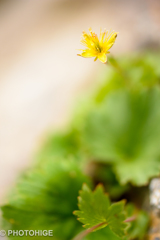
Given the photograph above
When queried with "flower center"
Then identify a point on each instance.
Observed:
(98, 49)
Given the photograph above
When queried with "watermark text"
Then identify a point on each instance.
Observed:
(31, 233)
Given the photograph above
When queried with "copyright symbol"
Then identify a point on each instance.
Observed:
(2, 233)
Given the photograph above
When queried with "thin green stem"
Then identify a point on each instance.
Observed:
(130, 219)
(113, 62)
(81, 235)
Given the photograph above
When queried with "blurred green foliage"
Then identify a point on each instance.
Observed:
(45, 198)
(124, 130)
(113, 139)
(63, 144)
(137, 228)
(103, 173)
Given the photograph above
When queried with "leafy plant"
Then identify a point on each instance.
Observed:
(112, 141)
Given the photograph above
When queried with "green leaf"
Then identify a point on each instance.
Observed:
(139, 227)
(61, 145)
(45, 198)
(104, 234)
(124, 130)
(95, 208)
(141, 71)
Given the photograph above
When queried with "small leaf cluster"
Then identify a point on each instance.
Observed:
(96, 213)
(96, 208)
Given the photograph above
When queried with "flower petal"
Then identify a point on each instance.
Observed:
(88, 53)
(110, 41)
(102, 57)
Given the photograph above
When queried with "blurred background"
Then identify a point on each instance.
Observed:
(40, 73)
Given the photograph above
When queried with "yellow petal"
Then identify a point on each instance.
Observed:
(109, 42)
(102, 36)
(102, 57)
(88, 53)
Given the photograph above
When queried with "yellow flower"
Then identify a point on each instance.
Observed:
(97, 48)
